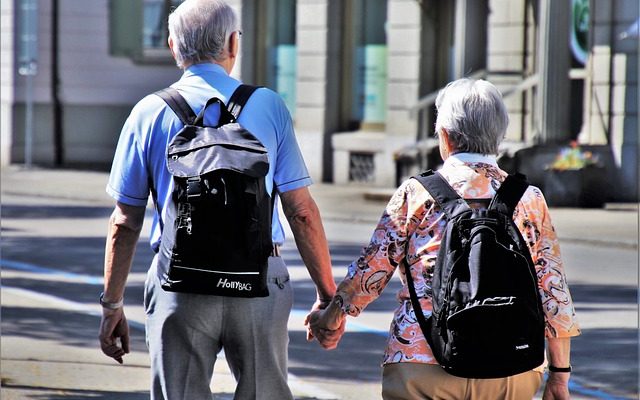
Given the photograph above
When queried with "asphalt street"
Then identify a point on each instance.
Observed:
(52, 248)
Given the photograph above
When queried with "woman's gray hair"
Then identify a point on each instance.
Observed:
(474, 115)
(200, 30)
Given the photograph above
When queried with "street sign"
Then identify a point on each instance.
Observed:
(28, 38)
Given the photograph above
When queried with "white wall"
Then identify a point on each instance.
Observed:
(6, 79)
(89, 74)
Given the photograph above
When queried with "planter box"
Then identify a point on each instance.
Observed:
(587, 187)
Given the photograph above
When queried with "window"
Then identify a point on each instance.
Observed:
(138, 29)
(361, 167)
(364, 80)
(269, 54)
(155, 14)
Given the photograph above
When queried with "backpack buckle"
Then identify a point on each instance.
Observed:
(194, 187)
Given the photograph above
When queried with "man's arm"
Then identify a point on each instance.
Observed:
(304, 218)
(122, 237)
(558, 351)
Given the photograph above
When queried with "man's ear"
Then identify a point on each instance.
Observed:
(234, 44)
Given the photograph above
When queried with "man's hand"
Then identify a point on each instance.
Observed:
(114, 334)
(557, 387)
(328, 333)
(326, 324)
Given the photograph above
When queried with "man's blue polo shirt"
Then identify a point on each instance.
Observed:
(140, 154)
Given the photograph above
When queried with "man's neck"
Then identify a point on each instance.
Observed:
(226, 65)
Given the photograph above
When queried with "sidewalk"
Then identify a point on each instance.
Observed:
(351, 211)
(615, 226)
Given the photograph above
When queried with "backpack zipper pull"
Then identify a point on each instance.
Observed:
(224, 187)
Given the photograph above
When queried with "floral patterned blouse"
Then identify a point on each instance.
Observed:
(408, 235)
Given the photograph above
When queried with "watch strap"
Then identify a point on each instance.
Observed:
(559, 369)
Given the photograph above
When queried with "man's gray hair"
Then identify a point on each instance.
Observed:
(200, 30)
(474, 115)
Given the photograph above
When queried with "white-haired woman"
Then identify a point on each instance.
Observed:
(471, 122)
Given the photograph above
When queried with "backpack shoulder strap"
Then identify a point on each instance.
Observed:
(509, 194)
(178, 104)
(239, 98)
(447, 198)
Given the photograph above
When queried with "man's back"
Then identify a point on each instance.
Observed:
(152, 125)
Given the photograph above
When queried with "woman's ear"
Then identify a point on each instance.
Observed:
(170, 43)
(445, 144)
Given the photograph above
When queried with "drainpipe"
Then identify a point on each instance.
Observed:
(612, 36)
(58, 138)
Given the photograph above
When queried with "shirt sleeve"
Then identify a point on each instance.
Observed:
(368, 275)
(291, 171)
(543, 242)
(129, 181)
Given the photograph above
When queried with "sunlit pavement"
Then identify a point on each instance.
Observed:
(53, 226)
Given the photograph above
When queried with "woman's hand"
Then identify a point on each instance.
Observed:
(326, 325)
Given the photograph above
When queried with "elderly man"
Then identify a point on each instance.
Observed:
(184, 331)
(472, 121)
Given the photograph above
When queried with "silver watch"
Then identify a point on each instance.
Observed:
(110, 306)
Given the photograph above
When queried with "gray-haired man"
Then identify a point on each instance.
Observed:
(185, 332)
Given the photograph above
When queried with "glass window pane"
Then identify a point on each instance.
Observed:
(155, 14)
(368, 80)
(285, 65)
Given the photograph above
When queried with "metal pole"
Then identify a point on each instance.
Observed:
(28, 68)
(58, 134)
(28, 123)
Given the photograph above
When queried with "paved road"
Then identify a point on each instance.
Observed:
(53, 226)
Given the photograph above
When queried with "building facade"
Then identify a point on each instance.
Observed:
(359, 76)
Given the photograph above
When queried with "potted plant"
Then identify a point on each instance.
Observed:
(575, 178)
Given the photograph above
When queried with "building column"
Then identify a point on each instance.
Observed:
(312, 36)
(553, 69)
(404, 27)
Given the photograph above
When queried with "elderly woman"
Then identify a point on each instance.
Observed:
(471, 123)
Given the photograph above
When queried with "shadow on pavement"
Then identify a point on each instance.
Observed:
(65, 327)
(597, 294)
(44, 212)
(357, 357)
(67, 394)
(604, 358)
(606, 355)
(78, 255)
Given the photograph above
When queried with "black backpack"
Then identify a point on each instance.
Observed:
(216, 238)
(487, 319)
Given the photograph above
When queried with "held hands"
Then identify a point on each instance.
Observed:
(327, 325)
(114, 326)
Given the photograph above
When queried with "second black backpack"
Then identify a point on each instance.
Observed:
(216, 238)
(487, 319)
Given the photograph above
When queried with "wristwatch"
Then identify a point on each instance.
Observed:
(558, 369)
(110, 306)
